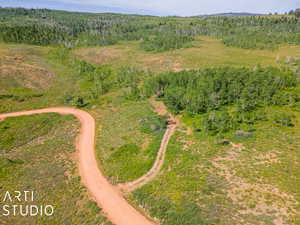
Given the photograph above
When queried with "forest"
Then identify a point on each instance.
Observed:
(226, 96)
(157, 34)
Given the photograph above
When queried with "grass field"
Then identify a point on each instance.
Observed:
(44, 161)
(30, 77)
(250, 181)
(129, 135)
(206, 52)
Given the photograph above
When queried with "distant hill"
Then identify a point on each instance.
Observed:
(75, 7)
(231, 14)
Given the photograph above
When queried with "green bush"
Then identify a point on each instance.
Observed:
(166, 41)
(153, 124)
(77, 101)
(251, 117)
(218, 122)
(284, 119)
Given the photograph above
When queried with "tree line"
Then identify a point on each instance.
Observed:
(70, 29)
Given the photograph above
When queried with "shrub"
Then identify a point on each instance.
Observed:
(243, 134)
(125, 150)
(218, 122)
(188, 213)
(153, 124)
(77, 101)
(284, 119)
(165, 41)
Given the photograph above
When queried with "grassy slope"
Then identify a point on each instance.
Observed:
(44, 160)
(253, 182)
(180, 196)
(119, 125)
(206, 52)
(30, 94)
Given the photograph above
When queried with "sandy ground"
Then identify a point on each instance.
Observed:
(113, 204)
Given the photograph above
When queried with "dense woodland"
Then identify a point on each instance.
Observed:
(227, 97)
(43, 27)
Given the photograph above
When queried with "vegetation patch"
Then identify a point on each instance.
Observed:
(129, 137)
(166, 41)
(239, 181)
(226, 97)
(204, 52)
(71, 29)
(44, 161)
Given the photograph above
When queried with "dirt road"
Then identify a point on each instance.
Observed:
(153, 172)
(160, 109)
(116, 208)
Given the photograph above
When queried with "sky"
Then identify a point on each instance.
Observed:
(160, 7)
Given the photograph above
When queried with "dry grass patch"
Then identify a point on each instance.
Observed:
(205, 52)
(17, 71)
(258, 199)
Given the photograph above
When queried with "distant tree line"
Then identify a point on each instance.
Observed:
(295, 12)
(157, 34)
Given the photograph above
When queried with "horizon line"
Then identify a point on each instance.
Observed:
(142, 13)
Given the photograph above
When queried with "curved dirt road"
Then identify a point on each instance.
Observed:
(116, 208)
(153, 172)
(160, 109)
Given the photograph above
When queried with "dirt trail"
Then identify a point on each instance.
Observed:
(160, 109)
(116, 208)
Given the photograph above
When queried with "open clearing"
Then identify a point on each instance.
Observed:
(206, 52)
(23, 68)
(31, 78)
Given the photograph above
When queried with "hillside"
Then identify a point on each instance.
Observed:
(214, 99)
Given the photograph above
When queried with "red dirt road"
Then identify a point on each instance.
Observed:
(160, 109)
(115, 207)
